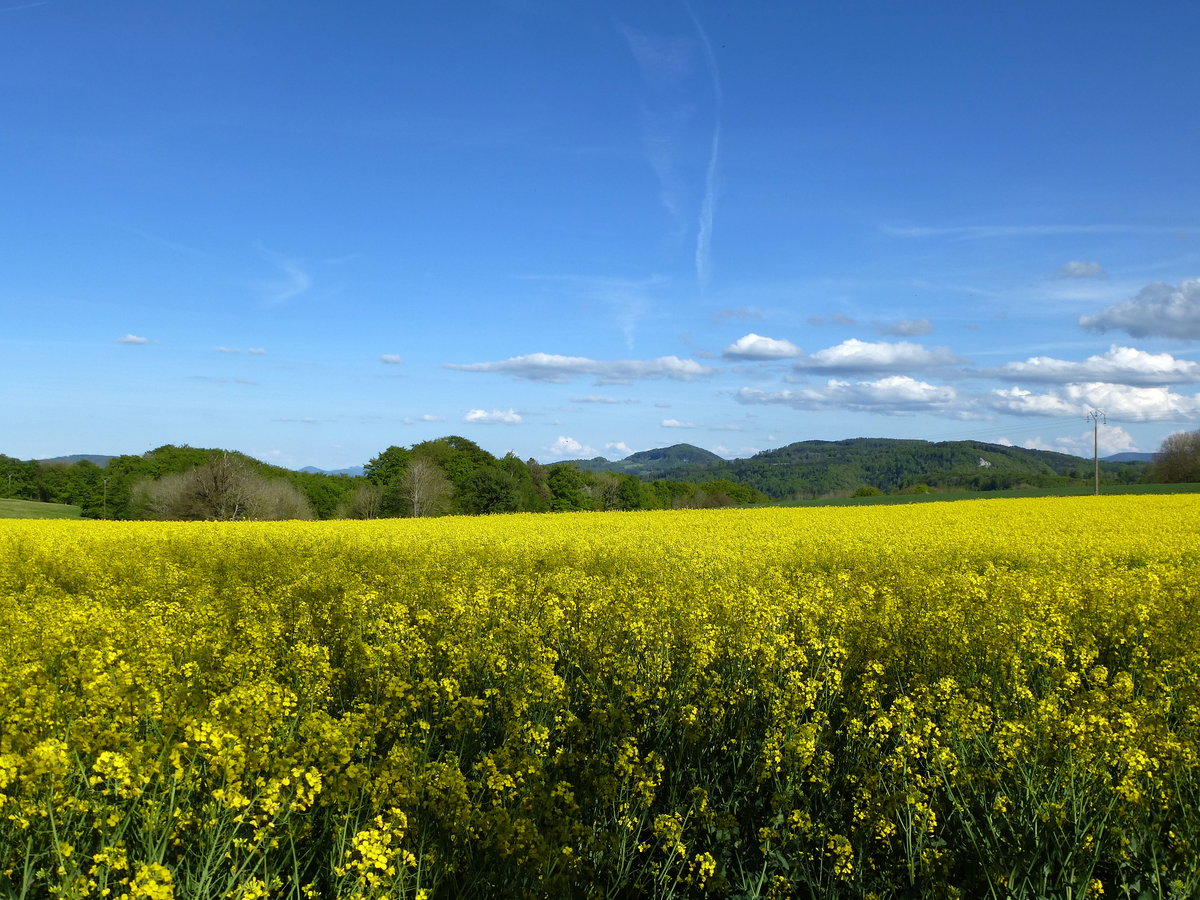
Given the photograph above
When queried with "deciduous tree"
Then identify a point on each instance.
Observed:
(1178, 459)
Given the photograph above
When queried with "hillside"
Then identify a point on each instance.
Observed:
(820, 468)
(95, 459)
(654, 463)
(1129, 457)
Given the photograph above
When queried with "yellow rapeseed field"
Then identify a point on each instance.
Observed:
(985, 698)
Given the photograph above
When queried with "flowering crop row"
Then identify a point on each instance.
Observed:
(988, 698)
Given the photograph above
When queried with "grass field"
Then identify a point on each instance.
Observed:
(30, 509)
(1108, 490)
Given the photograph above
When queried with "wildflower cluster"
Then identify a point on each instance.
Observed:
(988, 698)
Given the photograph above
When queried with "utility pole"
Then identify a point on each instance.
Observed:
(1096, 416)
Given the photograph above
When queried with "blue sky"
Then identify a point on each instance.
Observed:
(309, 231)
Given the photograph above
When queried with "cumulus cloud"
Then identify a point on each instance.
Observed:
(1112, 439)
(906, 327)
(892, 395)
(552, 367)
(1159, 310)
(620, 447)
(568, 446)
(1118, 401)
(391, 359)
(854, 355)
(132, 339)
(755, 346)
(1077, 269)
(1119, 365)
(493, 417)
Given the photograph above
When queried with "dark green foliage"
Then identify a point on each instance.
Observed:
(1178, 460)
(490, 489)
(388, 465)
(325, 492)
(18, 478)
(567, 487)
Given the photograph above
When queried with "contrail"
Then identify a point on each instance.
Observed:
(708, 206)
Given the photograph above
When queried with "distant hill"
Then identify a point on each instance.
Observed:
(97, 459)
(1129, 457)
(810, 469)
(650, 464)
(353, 471)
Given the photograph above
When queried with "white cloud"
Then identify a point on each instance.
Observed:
(391, 359)
(1117, 401)
(552, 367)
(854, 355)
(893, 395)
(226, 350)
(1159, 310)
(1113, 439)
(256, 351)
(133, 339)
(568, 446)
(1119, 365)
(1078, 269)
(675, 423)
(493, 417)
(620, 447)
(755, 346)
(906, 327)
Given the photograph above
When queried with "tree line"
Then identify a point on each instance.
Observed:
(447, 476)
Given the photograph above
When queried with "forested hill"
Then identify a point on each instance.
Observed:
(819, 468)
(653, 463)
